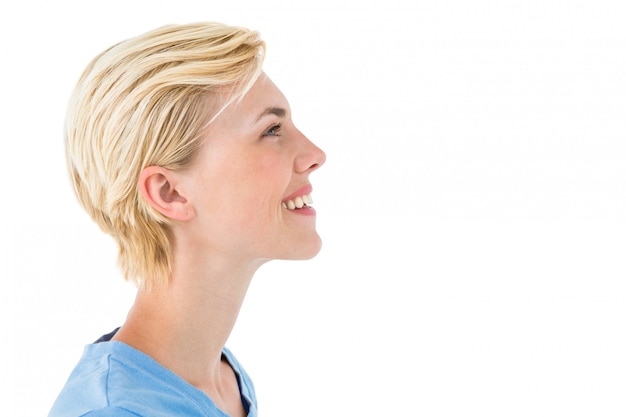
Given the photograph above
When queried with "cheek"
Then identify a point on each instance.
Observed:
(270, 174)
(248, 186)
(250, 183)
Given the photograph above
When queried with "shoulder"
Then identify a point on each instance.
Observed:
(105, 382)
(113, 379)
(110, 412)
(85, 388)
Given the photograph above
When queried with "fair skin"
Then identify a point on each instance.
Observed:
(231, 211)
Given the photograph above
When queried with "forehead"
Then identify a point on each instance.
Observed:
(264, 94)
(244, 115)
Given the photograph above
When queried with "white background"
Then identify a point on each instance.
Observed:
(472, 207)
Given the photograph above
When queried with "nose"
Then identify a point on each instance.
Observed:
(310, 156)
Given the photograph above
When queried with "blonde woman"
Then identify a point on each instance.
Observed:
(182, 148)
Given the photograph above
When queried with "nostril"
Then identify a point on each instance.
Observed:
(322, 158)
(310, 159)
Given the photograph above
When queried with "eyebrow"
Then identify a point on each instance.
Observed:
(277, 111)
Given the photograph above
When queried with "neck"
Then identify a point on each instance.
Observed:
(185, 326)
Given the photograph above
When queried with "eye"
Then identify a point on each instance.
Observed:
(273, 131)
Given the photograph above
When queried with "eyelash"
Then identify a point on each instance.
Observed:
(276, 128)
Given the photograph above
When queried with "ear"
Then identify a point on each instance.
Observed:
(158, 186)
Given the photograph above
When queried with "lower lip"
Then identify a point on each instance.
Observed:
(309, 211)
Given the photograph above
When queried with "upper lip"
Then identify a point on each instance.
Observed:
(304, 190)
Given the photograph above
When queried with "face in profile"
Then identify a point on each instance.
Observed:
(249, 184)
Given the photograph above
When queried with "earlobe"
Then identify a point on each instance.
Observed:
(158, 187)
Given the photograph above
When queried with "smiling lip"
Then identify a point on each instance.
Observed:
(302, 191)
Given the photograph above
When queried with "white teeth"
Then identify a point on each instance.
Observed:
(298, 202)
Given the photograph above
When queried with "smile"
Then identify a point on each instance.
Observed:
(300, 202)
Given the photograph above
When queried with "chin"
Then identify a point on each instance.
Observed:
(306, 251)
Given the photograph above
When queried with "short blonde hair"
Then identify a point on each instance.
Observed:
(144, 102)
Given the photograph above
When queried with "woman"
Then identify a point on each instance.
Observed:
(182, 149)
